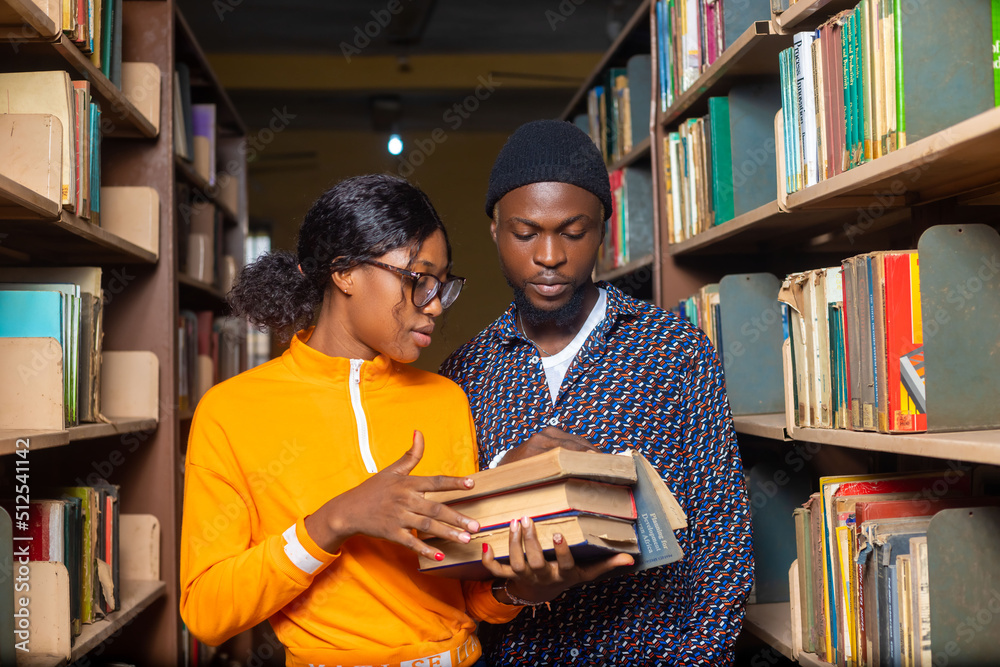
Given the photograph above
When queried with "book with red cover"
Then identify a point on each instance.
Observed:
(906, 408)
(44, 524)
(922, 486)
(896, 509)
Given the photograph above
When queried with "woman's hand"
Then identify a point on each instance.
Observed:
(390, 505)
(533, 578)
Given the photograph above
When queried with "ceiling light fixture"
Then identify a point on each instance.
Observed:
(395, 144)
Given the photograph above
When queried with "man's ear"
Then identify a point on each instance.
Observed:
(493, 228)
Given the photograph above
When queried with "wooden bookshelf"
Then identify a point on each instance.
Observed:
(18, 202)
(187, 173)
(136, 596)
(142, 315)
(755, 53)
(809, 14)
(58, 438)
(772, 624)
(631, 34)
(974, 446)
(64, 239)
(959, 159)
(889, 200)
(197, 294)
(40, 41)
(634, 39)
(26, 19)
(631, 267)
(187, 49)
(763, 426)
(639, 151)
(812, 660)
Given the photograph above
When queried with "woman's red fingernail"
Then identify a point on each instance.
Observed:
(486, 548)
(557, 538)
(439, 556)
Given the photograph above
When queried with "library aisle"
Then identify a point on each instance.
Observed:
(813, 184)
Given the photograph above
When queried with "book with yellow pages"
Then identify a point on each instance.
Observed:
(650, 538)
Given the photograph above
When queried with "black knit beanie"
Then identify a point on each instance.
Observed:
(549, 151)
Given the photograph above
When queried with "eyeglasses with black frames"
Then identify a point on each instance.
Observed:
(426, 286)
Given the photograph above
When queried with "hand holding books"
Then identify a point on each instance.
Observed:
(547, 439)
(600, 505)
(530, 578)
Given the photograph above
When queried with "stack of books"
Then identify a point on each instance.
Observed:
(602, 504)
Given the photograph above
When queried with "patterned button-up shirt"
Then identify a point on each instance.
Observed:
(648, 380)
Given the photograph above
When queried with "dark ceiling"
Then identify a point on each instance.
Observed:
(449, 26)
(420, 27)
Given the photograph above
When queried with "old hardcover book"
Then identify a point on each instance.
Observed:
(552, 465)
(588, 536)
(906, 397)
(550, 498)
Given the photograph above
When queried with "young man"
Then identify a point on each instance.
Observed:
(578, 365)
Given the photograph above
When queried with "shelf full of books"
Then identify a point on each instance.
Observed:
(89, 231)
(889, 342)
(846, 148)
(613, 107)
(86, 39)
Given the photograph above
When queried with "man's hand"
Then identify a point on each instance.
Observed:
(546, 439)
(533, 578)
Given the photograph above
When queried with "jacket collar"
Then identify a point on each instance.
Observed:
(312, 365)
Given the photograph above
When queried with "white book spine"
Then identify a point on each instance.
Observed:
(804, 87)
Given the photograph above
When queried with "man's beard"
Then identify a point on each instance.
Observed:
(563, 316)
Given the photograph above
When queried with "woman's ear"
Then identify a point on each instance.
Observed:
(344, 280)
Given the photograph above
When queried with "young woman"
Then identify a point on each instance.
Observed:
(299, 503)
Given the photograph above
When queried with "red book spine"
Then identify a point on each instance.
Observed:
(904, 345)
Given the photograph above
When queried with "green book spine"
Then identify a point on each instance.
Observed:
(900, 93)
(789, 122)
(722, 159)
(996, 52)
(866, 79)
(859, 93)
(783, 76)
(848, 106)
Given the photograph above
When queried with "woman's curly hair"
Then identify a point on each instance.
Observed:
(358, 219)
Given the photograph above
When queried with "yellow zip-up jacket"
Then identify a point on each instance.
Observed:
(272, 445)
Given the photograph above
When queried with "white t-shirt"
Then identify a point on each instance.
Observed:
(557, 365)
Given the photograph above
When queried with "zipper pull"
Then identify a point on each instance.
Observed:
(356, 371)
